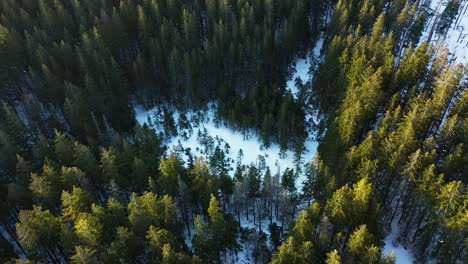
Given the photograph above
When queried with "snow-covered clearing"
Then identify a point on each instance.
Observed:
(402, 255)
(456, 39)
(302, 66)
(250, 145)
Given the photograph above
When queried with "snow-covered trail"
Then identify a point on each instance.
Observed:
(18, 251)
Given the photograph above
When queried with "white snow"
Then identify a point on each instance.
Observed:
(251, 144)
(402, 255)
(301, 71)
(244, 256)
(302, 67)
(318, 47)
(456, 39)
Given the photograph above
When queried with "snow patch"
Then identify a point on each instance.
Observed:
(302, 68)
(401, 254)
(456, 38)
(301, 71)
(251, 145)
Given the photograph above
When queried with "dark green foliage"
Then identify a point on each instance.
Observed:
(87, 58)
(417, 29)
(38, 229)
(217, 235)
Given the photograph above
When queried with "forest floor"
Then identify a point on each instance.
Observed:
(456, 37)
(402, 255)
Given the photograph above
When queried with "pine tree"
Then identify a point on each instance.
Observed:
(23, 171)
(333, 257)
(72, 176)
(171, 170)
(126, 246)
(294, 252)
(63, 148)
(89, 229)
(172, 257)
(360, 248)
(74, 203)
(215, 236)
(84, 159)
(84, 255)
(108, 164)
(149, 209)
(447, 16)
(42, 191)
(203, 184)
(158, 239)
(38, 231)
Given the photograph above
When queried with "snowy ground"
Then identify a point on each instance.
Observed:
(244, 256)
(250, 144)
(302, 67)
(402, 255)
(302, 72)
(251, 147)
(456, 39)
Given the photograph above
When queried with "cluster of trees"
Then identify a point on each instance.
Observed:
(70, 72)
(89, 233)
(336, 230)
(83, 203)
(278, 118)
(71, 66)
(396, 131)
(84, 58)
(128, 202)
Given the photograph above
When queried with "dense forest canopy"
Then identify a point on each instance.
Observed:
(81, 181)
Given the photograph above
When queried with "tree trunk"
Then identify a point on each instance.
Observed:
(418, 226)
